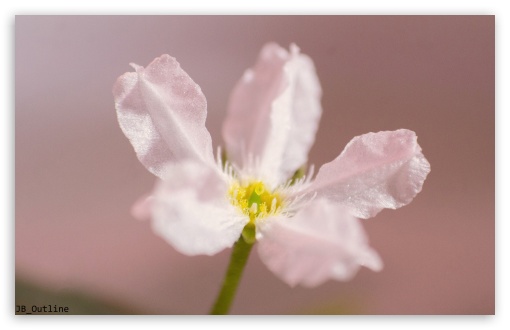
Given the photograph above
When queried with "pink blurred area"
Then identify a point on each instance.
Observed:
(77, 176)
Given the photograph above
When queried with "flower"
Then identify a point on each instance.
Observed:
(307, 230)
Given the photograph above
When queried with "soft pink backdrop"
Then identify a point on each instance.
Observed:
(77, 175)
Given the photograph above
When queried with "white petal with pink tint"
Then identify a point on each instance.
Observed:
(322, 241)
(162, 112)
(274, 113)
(141, 210)
(190, 210)
(375, 171)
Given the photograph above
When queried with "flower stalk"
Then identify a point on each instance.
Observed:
(240, 253)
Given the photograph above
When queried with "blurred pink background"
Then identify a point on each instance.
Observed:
(77, 175)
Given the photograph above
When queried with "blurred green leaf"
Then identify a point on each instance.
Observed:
(28, 295)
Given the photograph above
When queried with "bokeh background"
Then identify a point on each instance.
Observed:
(77, 245)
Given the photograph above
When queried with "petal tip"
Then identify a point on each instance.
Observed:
(294, 49)
(135, 66)
(271, 50)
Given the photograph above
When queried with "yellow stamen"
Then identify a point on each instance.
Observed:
(254, 199)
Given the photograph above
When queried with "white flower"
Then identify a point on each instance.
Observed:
(308, 231)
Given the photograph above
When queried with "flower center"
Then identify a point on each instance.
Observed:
(254, 199)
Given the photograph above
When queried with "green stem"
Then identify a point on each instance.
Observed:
(240, 254)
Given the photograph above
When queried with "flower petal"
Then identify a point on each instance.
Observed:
(322, 241)
(274, 113)
(141, 210)
(162, 112)
(375, 171)
(190, 210)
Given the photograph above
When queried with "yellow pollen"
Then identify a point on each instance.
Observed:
(254, 199)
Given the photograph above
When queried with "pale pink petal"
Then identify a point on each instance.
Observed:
(322, 241)
(162, 112)
(274, 112)
(375, 171)
(190, 210)
(141, 210)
